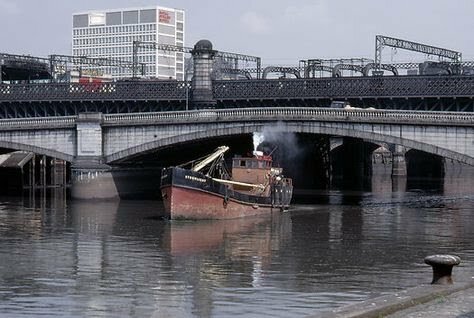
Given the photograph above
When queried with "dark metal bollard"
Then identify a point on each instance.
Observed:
(442, 267)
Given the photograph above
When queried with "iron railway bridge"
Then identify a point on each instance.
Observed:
(428, 93)
(225, 81)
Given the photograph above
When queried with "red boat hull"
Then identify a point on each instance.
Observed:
(191, 203)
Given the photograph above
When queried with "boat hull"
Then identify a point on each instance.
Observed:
(191, 195)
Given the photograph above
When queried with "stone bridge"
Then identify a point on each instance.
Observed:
(94, 141)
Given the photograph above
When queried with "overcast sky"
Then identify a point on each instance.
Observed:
(279, 31)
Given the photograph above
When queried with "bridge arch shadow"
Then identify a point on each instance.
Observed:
(421, 164)
(317, 128)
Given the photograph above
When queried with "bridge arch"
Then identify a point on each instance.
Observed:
(279, 69)
(386, 67)
(423, 164)
(337, 70)
(316, 67)
(376, 144)
(229, 71)
(37, 150)
(317, 128)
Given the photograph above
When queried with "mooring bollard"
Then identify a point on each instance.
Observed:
(442, 267)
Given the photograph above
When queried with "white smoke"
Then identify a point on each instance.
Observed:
(275, 135)
(258, 138)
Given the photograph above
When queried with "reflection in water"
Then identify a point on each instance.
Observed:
(182, 237)
(103, 259)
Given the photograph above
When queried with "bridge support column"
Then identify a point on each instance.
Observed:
(31, 179)
(91, 178)
(399, 165)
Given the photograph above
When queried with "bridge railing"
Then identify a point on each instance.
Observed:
(38, 123)
(253, 114)
(297, 114)
(314, 88)
(115, 91)
(351, 87)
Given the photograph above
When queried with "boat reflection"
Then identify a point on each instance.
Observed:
(236, 236)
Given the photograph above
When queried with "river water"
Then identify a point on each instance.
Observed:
(61, 258)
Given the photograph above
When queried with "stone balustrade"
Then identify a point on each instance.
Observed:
(305, 114)
(38, 123)
(264, 114)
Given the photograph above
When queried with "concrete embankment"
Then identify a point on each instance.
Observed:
(455, 300)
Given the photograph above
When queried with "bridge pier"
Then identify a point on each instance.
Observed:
(399, 169)
(91, 178)
(399, 165)
(93, 184)
(116, 183)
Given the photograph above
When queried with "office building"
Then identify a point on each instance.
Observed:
(111, 33)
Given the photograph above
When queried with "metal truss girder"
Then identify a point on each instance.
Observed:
(85, 60)
(381, 41)
(405, 66)
(315, 67)
(281, 69)
(347, 87)
(233, 71)
(236, 56)
(25, 58)
(336, 72)
(388, 67)
(183, 49)
(114, 91)
(421, 92)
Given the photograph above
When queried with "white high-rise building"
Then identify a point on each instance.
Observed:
(111, 33)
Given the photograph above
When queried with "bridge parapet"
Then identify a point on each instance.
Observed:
(348, 87)
(38, 123)
(115, 91)
(237, 90)
(280, 113)
(263, 114)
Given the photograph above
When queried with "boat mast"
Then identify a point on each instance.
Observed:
(213, 156)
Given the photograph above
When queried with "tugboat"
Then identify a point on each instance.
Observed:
(206, 190)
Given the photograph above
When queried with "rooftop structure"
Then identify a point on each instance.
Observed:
(111, 33)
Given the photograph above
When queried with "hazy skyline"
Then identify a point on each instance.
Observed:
(279, 31)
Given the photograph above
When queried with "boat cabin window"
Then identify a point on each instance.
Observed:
(251, 163)
(240, 163)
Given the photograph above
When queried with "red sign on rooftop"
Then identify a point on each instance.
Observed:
(164, 17)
